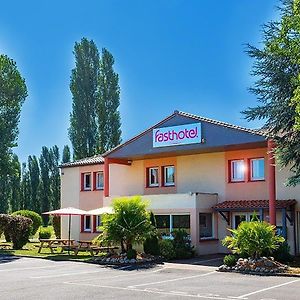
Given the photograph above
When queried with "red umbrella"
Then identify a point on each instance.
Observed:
(68, 211)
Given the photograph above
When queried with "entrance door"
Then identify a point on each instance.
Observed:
(238, 218)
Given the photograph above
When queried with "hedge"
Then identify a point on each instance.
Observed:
(35, 217)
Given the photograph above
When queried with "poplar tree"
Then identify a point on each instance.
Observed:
(13, 93)
(108, 104)
(84, 88)
(277, 72)
(55, 177)
(15, 183)
(34, 180)
(66, 156)
(25, 188)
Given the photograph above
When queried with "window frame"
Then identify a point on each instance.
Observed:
(149, 184)
(97, 187)
(85, 188)
(231, 172)
(212, 226)
(85, 229)
(165, 183)
(250, 166)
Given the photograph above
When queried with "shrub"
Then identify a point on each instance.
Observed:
(166, 249)
(131, 254)
(35, 217)
(151, 243)
(282, 254)
(129, 224)
(56, 222)
(45, 232)
(230, 260)
(253, 239)
(17, 228)
(182, 244)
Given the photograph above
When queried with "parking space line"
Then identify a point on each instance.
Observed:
(153, 291)
(171, 280)
(267, 289)
(31, 268)
(67, 274)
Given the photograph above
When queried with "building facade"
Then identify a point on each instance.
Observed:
(198, 174)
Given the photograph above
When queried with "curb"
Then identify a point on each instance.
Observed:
(261, 274)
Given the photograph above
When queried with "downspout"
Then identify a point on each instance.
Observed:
(272, 182)
(106, 177)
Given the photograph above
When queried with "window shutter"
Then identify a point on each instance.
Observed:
(82, 181)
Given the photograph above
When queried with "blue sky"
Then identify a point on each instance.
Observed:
(170, 54)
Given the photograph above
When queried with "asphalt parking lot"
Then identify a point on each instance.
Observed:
(27, 278)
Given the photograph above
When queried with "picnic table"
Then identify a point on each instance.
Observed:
(89, 246)
(5, 246)
(54, 243)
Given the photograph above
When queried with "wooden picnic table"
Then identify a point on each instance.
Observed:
(54, 243)
(84, 245)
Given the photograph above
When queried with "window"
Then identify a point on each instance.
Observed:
(163, 224)
(181, 222)
(98, 223)
(169, 176)
(153, 177)
(87, 224)
(206, 225)
(237, 170)
(99, 181)
(168, 223)
(257, 169)
(87, 181)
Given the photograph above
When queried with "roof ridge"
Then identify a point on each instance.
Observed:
(90, 160)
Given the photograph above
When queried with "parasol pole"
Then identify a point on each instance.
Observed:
(69, 234)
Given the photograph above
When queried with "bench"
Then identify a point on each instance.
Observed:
(5, 246)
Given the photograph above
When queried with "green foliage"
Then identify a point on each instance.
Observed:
(13, 93)
(25, 188)
(182, 244)
(166, 249)
(83, 131)
(55, 177)
(34, 183)
(151, 243)
(253, 239)
(15, 182)
(45, 232)
(277, 73)
(230, 260)
(108, 104)
(66, 156)
(56, 222)
(282, 254)
(36, 219)
(17, 228)
(131, 254)
(130, 222)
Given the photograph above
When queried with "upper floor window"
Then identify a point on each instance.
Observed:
(257, 169)
(237, 170)
(153, 177)
(99, 181)
(87, 181)
(169, 176)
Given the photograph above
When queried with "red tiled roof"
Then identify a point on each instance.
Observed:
(251, 204)
(93, 160)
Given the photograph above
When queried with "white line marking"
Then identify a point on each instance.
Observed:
(30, 268)
(66, 274)
(204, 261)
(171, 280)
(153, 291)
(267, 289)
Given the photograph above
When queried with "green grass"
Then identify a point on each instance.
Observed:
(31, 250)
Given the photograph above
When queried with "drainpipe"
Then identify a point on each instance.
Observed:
(106, 177)
(272, 182)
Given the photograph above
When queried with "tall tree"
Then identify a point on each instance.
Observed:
(25, 202)
(277, 72)
(84, 87)
(15, 182)
(45, 186)
(34, 179)
(55, 177)
(66, 156)
(13, 93)
(108, 104)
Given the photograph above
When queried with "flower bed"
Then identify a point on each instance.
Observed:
(260, 266)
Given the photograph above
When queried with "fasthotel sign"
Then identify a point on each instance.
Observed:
(177, 135)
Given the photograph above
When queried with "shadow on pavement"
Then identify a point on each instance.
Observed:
(214, 260)
(7, 258)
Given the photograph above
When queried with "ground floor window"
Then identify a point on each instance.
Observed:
(238, 218)
(87, 223)
(206, 225)
(98, 223)
(168, 223)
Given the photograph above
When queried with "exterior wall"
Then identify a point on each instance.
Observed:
(70, 187)
(248, 190)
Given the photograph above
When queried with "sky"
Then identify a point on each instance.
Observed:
(170, 55)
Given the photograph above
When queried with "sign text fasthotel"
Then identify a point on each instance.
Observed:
(177, 135)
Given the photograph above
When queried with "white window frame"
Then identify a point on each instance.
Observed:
(149, 177)
(212, 226)
(98, 187)
(85, 188)
(165, 176)
(232, 170)
(251, 169)
(246, 214)
(84, 223)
